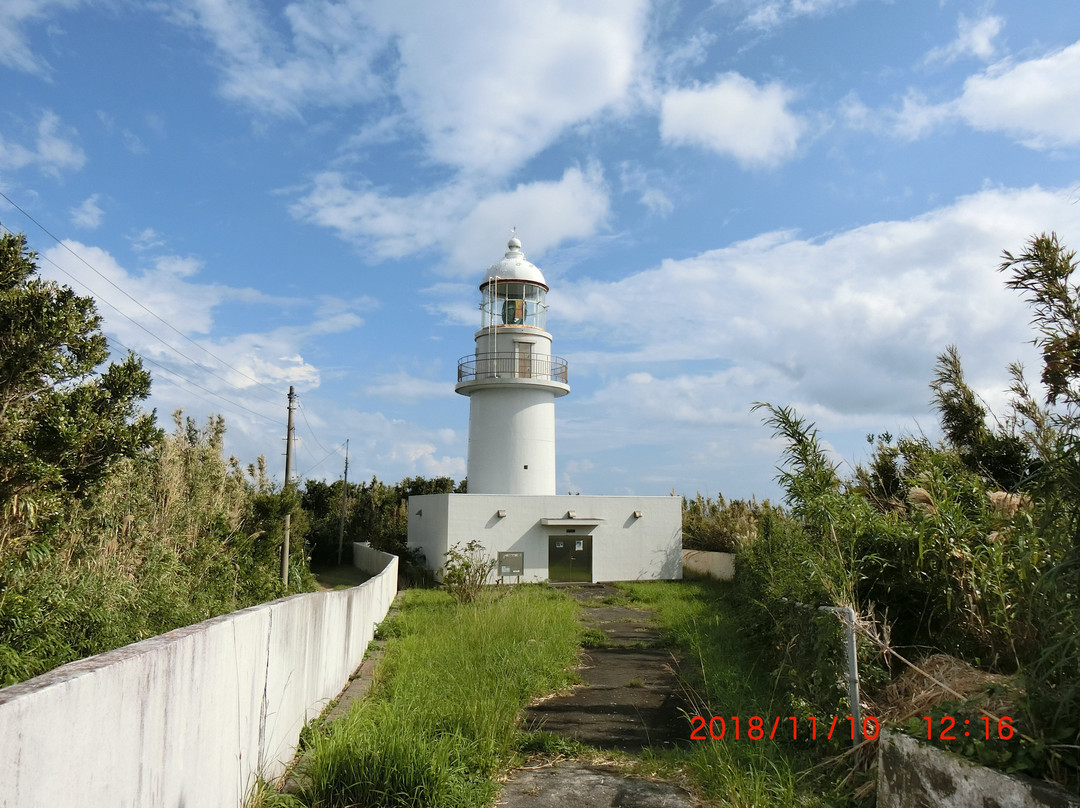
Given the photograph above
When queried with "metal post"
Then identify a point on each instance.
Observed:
(847, 617)
(288, 484)
(344, 500)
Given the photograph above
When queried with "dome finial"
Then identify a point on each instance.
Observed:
(515, 242)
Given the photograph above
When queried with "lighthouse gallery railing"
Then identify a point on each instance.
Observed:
(511, 365)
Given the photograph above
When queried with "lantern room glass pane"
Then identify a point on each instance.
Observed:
(514, 304)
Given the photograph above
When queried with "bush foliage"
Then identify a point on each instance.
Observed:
(170, 538)
(110, 531)
(466, 571)
(375, 512)
(970, 546)
(719, 526)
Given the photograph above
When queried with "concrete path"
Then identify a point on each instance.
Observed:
(630, 701)
(568, 784)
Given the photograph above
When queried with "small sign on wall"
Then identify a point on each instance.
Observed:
(511, 564)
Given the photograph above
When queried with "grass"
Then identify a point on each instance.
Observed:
(332, 576)
(440, 724)
(700, 619)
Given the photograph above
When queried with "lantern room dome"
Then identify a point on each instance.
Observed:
(513, 267)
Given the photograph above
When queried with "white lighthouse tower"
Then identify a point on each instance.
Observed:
(512, 381)
(512, 513)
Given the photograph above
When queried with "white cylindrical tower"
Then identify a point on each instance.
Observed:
(512, 382)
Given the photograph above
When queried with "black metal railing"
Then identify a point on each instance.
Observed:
(511, 365)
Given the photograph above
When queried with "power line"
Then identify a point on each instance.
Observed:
(333, 451)
(172, 347)
(309, 429)
(165, 368)
(140, 305)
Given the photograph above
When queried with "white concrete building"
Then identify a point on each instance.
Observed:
(512, 380)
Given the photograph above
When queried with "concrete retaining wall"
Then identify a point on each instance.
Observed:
(715, 565)
(367, 560)
(190, 718)
(913, 773)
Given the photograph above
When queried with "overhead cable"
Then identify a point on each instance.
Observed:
(140, 305)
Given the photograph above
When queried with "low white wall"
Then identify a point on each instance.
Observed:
(704, 562)
(368, 560)
(190, 718)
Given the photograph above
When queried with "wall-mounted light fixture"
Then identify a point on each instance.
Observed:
(571, 514)
(638, 514)
(501, 513)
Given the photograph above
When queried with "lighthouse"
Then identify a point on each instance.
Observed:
(512, 514)
(512, 380)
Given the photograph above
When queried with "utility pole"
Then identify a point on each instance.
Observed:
(288, 484)
(344, 501)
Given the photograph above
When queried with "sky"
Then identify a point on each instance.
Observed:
(800, 202)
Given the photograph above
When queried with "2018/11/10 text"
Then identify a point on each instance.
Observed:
(757, 728)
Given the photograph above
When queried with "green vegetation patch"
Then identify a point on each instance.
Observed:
(724, 675)
(440, 724)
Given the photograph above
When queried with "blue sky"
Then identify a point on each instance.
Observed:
(794, 201)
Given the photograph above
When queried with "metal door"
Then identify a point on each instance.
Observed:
(570, 558)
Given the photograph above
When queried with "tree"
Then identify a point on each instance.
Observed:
(1045, 273)
(63, 421)
(1001, 456)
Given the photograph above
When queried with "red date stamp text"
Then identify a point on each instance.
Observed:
(759, 728)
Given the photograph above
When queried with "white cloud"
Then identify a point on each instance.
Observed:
(974, 37)
(89, 214)
(845, 328)
(768, 14)
(421, 457)
(445, 466)
(168, 317)
(488, 85)
(733, 116)
(917, 116)
(146, 239)
(1029, 101)
(392, 226)
(15, 51)
(401, 386)
(551, 212)
(324, 59)
(646, 184)
(1034, 101)
(492, 84)
(458, 218)
(53, 152)
(852, 324)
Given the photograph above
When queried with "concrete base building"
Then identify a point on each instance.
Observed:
(512, 381)
(555, 538)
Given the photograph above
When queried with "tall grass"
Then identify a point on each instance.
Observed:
(440, 723)
(168, 539)
(724, 675)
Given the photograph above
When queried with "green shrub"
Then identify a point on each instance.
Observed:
(466, 571)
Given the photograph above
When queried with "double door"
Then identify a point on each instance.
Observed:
(570, 559)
